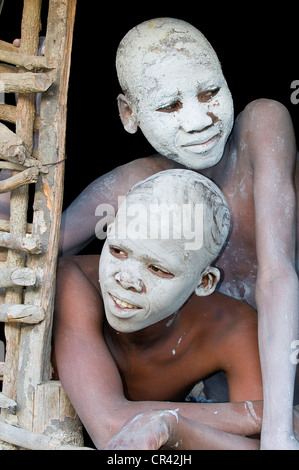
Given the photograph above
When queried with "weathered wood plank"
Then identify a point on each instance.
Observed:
(5, 226)
(25, 115)
(54, 414)
(10, 277)
(13, 313)
(36, 368)
(25, 177)
(6, 402)
(7, 46)
(41, 405)
(33, 441)
(27, 82)
(24, 244)
(29, 62)
(12, 147)
(8, 113)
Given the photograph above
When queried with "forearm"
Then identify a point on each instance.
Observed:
(167, 429)
(278, 306)
(189, 435)
(237, 418)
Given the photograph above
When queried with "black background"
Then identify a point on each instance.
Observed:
(257, 46)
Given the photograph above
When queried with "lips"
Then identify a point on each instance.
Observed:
(121, 308)
(201, 146)
(122, 304)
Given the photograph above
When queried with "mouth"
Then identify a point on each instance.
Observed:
(124, 309)
(123, 304)
(201, 147)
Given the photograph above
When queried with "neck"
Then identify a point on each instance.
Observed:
(146, 337)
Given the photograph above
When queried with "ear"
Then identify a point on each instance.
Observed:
(209, 281)
(126, 115)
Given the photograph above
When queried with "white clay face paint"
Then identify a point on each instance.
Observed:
(177, 91)
(146, 280)
(189, 115)
(133, 266)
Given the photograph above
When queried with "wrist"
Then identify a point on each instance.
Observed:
(171, 419)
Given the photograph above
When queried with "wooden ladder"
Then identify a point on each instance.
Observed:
(35, 412)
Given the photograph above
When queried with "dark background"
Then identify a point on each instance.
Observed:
(257, 46)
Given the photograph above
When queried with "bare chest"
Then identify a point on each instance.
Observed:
(167, 372)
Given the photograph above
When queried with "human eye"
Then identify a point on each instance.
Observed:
(117, 252)
(171, 108)
(161, 272)
(207, 95)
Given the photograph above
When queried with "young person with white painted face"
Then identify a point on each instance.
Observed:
(153, 326)
(175, 92)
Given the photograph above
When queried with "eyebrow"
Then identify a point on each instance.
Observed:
(175, 96)
(148, 257)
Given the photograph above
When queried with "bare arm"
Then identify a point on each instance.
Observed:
(85, 218)
(153, 429)
(238, 354)
(90, 376)
(272, 153)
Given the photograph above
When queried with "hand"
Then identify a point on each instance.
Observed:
(149, 430)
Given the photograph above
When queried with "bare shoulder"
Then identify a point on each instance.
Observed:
(262, 112)
(142, 168)
(264, 133)
(82, 266)
(262, 120)
(119, 181)
(221, 316)
(229, 317)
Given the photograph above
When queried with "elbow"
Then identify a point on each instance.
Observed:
(280, 282)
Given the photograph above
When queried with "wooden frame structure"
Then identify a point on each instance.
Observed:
(35, 412)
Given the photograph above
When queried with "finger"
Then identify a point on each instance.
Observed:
(17, 42)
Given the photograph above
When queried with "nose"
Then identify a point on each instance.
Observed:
(195, 117)
(128, 281)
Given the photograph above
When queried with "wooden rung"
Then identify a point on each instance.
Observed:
(28, 245)
(11, 166)
(29, 62)
(19, 313)
(5, 226)
(7, 46)
(10, 277)
(26, 82)
(33, 441)
(11, 146)
(25, 177)
(8, 113)
(6, 402)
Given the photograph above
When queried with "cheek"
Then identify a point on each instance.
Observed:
(167, 296)
(223, 109)
(107, 268)
(159, 129)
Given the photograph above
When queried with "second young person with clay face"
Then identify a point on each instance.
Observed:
(153, 326)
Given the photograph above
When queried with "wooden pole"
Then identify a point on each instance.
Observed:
(33, 441)
(41, 403)
(25, 114)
